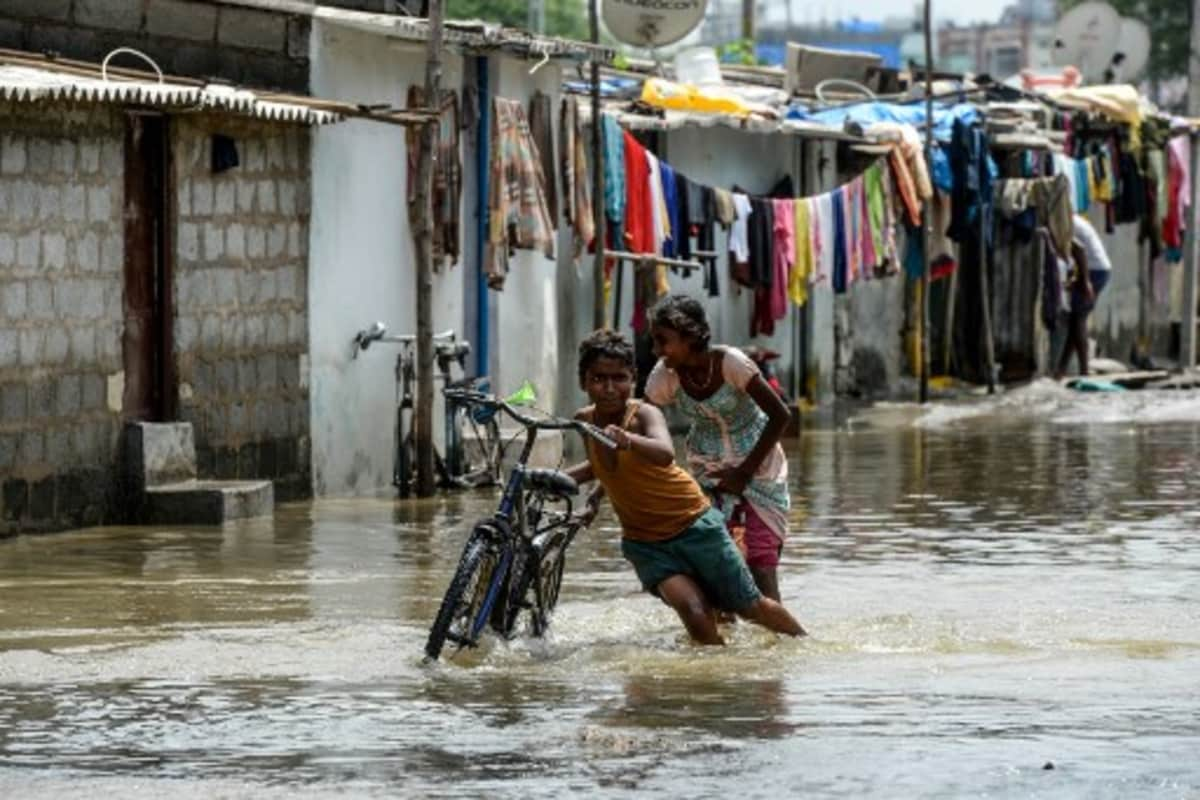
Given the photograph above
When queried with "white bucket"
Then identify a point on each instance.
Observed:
(698, 66)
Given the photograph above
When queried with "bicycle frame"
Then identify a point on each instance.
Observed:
(512, 510)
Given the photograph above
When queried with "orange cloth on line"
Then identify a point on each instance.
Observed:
(653, 503)
(905, 185)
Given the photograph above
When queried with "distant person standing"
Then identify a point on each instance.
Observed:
(1091, 272)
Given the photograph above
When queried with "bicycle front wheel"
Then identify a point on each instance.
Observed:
(464, 599)
(549, 582)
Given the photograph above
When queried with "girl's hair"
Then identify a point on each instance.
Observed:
(605, 343)
(685, 316)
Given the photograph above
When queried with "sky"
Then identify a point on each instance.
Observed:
(958, 11)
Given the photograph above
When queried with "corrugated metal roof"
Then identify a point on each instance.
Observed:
(467, 34)
(27, 84)
(463, 34)
(675, 120)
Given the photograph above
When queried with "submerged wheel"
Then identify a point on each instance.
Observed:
(464, 598)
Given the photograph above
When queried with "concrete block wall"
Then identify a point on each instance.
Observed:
(61, 317)
(194, 38)
(241, 277)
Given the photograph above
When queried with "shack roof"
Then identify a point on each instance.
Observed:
(31, 78)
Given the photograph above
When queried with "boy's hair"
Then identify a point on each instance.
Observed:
(685, 316)
(605, 343)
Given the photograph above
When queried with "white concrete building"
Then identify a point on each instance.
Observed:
(362, 247)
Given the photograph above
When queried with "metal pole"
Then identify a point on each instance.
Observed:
(597, 177)
(985, 297)
(927, 222)
(423, 419)
(1187, 348)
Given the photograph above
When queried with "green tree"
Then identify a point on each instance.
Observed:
(567, 18)
(1170, 23)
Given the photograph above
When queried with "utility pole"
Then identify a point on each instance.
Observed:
(748, 25)
(423, 419)
(1187, 350)
(537, 16)
(597, 178)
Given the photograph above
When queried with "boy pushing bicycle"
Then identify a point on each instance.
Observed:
(675, 540)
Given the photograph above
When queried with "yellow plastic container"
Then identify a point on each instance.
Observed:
(680, 97)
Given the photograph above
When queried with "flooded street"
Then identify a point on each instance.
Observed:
(991, 588)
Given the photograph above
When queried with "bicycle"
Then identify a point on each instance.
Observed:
(519, 551)
(473, 448)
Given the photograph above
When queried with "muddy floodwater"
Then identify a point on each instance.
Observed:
(1003, 596)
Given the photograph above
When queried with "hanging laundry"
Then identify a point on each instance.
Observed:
(739, 240)
(824, 237)
(906, 189)
(577, 183)
(541, 125)
(784, 212)
(639, 215)
(876, 203)
(912, 147)
(658, 215)
(445, 201)
(1050, 197)
(838, 245)
(671, 201)
(802, 258)
(614, 175)
(973, 173)
(518, 216)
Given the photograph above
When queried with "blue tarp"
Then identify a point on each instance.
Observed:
(910, 114)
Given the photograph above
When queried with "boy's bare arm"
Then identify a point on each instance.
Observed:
(653, 443)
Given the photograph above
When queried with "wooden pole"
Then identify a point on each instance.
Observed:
(423, 418)
(597, 178)
(748, 21)
(927, 223)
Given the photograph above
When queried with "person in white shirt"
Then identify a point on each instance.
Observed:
(1092, 269)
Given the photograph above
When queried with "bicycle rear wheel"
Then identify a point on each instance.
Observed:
(464, 599)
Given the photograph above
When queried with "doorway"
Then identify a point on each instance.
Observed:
(148, 305)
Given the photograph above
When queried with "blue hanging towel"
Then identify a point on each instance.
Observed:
(839, 242)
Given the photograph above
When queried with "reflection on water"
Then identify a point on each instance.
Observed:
(991, 586)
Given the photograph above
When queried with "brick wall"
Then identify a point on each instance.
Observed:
(241, 283)
(61, 317)
(196, 39)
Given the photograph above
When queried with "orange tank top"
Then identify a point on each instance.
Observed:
(653, 503)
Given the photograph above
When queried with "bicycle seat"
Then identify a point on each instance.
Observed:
(553, 481)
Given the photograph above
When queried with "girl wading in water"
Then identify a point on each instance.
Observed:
(736, 421)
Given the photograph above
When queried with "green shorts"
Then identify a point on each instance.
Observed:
(704, 552)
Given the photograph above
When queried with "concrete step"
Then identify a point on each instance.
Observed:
(194, 502)
(159, 452)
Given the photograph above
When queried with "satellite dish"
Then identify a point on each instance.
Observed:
(1132, 53)
(1086, 37)
(652, 23)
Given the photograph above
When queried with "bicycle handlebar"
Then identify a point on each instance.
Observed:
(378, 333)
(551, 424)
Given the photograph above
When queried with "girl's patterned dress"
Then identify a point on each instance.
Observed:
(724, 429)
